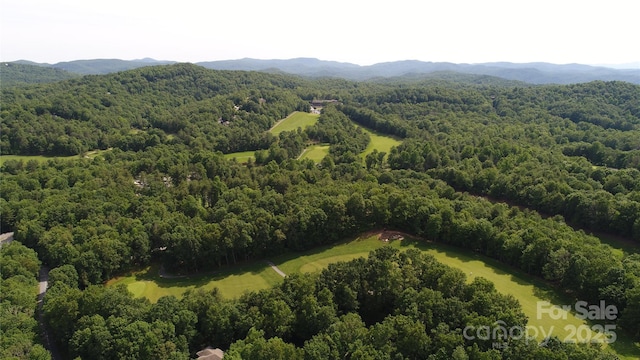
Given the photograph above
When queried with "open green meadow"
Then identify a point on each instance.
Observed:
(40, 158)
(231, 282)
(296, 120)
(382, 143)
(241, 157)
(234, 281)
(507, 281)
(315, 152)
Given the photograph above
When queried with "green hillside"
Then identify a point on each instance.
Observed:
(19, 74)
(297, 120)
(134, 172)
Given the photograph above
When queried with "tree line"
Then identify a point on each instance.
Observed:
(205, 212)
(164, 193)
(390, 305)
(19, 278)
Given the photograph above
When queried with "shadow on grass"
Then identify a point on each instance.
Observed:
(293, 255)
(152, 273)
(541, 288)
(624, 346)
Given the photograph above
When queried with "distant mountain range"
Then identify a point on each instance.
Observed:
(98, 66)
(532, 73)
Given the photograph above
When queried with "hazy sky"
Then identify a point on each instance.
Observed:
(361, 32)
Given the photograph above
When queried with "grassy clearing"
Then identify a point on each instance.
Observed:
(529, 291)
(40, 158)
(296, 120)
(94, 153)
(510, 281)
(382, 143)
(234, 281)
(315, 152)
(241, 157)
(231, 282)
(318, 259)
(507, 280)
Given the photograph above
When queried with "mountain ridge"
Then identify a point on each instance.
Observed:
(532, 72)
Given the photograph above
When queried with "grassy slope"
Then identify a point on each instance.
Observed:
(241, 157)
(294, 121)
(383, 143)
(231, 282)
(234, 281)
(297, 119)
(506, 280)
(40, 158)
(315, 152)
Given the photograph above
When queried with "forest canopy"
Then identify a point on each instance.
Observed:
(523, 174)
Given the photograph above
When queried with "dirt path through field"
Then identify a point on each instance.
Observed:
(302, 153)
(276, 269)
(281, 120)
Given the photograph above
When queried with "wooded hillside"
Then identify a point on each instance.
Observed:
(522, 174)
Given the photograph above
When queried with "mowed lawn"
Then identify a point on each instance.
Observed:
(241, 157)
(297, 119)
(234, 281)
(38, 158)
(382, 143)
(231, 282)
(315, 152)
(507, 281)
(527, 290)
(41, 158)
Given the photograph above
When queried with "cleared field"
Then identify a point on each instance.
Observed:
(315, 152)
(41, 158)
(527, 290)
(242, 156)
(383, 143)
(297, 119)
(38, 158)
(231, 282)
(234, 281)
(294, 121)
(507, 281)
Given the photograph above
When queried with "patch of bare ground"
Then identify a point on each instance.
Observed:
(387, 235)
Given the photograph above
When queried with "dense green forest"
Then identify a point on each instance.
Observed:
(20, 74)
(522, 174)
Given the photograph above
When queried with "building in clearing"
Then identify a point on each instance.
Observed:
(321, 103)
(317, 105)
(210, 354)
